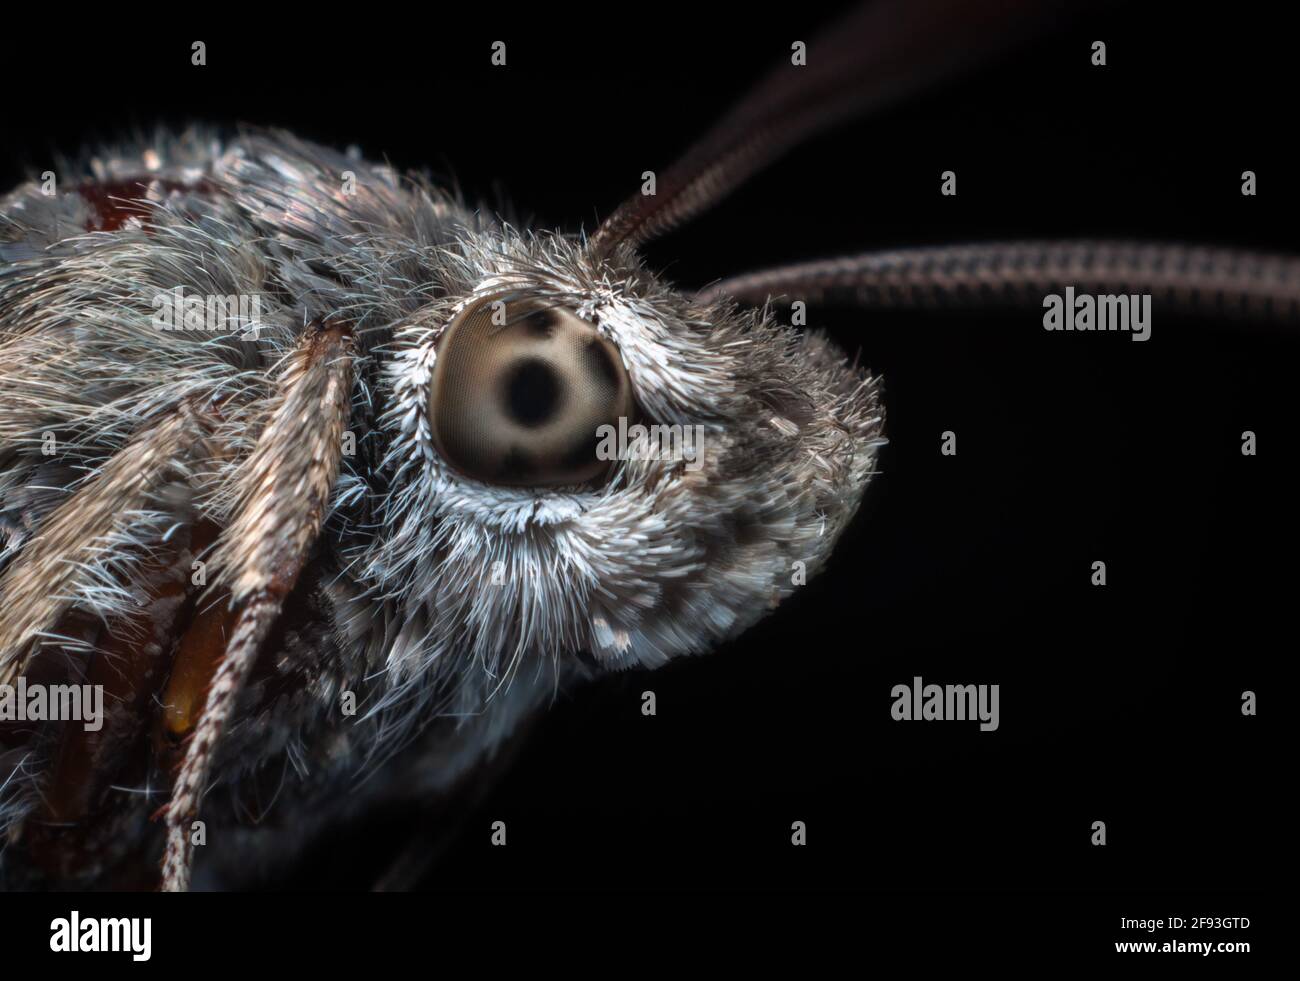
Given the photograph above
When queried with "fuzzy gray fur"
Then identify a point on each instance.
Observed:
(658, 563)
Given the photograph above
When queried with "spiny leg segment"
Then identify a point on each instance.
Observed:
(282, 498)
(71, 553)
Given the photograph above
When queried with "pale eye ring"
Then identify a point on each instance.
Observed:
(520, 390)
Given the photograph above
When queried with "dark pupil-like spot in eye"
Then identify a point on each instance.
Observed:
(601, 363)
(532, 392)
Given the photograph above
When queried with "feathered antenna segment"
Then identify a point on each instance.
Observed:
(881, 53)
(1189, 279)
(283, 495)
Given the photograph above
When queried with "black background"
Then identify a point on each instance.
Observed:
(1120, 703)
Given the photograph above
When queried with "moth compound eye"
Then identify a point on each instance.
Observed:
(520, 390)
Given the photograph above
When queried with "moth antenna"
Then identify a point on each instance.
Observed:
(1183, 278)
(877, 55)
(283, 493)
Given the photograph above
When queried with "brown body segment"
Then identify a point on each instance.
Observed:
(111, 205)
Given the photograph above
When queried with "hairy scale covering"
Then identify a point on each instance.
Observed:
(399, 604)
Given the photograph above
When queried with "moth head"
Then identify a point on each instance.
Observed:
(594, 467)
(617, 472)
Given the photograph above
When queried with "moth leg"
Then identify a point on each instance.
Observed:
(1181, 278)
(90, 592)
(282, 494)
(75, 549)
